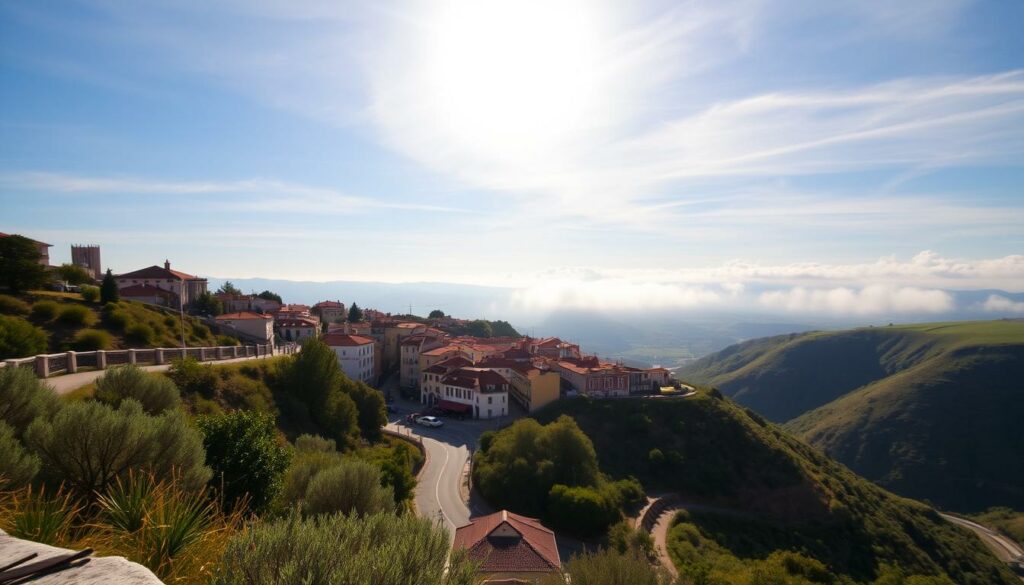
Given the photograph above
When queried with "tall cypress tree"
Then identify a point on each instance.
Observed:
(108, 289)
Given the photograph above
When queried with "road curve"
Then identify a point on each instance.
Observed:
(1004, 548)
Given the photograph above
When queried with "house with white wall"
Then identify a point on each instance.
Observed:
(355, 355)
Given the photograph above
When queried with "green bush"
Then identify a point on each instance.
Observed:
(304, 467)
(192, 377)
(19, 338)
(608, 567)
(140, 334)
(17, 467)
(45, 310)
(350, 487)
(200, 330)
(92, 340)
(314, 444)
(246, 457)
(89, 445)
(90, 294)
(116, 319)
(24, 398)
(327, 550)
(76, 316)
(13, 306)
(624, 538)
(581, 510)
(226, 340)
(154, 392)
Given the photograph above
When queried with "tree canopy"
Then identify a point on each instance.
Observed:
(108, 289)
(355, 314)
(207, 304)
(20, 269)
(229, 289)
(436, 314)
(270, 296)
(73, 274)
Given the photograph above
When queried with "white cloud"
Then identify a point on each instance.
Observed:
(611, 294)
(870, 300)
(1001, 304)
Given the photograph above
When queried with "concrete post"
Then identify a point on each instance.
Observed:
(101, 360)
(72, 362)
(159, 356)
(132, 358)
(42, 366)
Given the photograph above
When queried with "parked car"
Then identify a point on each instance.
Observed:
(411, 418)
(429, 421)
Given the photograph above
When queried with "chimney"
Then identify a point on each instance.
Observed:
(167, 264)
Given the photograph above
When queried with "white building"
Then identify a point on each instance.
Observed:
(478, 391)
(355, 355)
(254, 324)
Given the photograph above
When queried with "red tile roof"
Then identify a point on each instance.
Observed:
(343, 340)
(158, 272)
(296, 322)
(329, 305)
(504, 542)
(243, 316)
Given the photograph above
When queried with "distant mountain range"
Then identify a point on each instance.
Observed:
(930, 411)
(641, 337)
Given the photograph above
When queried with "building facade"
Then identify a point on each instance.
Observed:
(185, 287)
(87, 257)
(355, 356)
(255, 325)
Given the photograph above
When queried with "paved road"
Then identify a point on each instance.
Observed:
(1004, 548)
(69, 382)
(441, 493)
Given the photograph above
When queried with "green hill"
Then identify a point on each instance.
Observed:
(755, 489)
(69, 322)
(929, 411)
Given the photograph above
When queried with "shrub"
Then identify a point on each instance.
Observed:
(624, 538)
(170, 322)
(116, 319)
(241, 392)
(200, 330)
(89, 445)
(76, 316)
(17, 467)
(24, 398)
(36, 516)
(13, 305)
(19, 338)
(608, 567)
(155, 393)
(73, 274)
(314, 444)
(304, 467)
(92, 340)
(246, 457)
(45, 310)
(140, 334)
(191, 377)
(90, 294)
(581, 510)
(226, 340)
(177, 534)
(350, 487)
(381, 548)
(370, 405)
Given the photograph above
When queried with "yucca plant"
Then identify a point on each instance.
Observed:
(124, 505)
(34, 515)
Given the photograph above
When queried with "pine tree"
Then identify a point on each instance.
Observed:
(108, 289)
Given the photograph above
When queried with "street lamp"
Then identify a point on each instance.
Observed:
(181, 313)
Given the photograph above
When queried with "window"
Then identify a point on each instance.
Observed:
(489, 400)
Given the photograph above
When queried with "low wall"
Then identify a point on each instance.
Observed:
(69, 362)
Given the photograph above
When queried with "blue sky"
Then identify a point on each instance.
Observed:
(589, 152)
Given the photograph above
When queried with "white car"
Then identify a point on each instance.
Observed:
(429, 421)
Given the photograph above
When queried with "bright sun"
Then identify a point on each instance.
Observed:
(513, 78)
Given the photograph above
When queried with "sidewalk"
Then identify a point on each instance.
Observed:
(70, 382)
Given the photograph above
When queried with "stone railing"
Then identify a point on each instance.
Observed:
(69, 362)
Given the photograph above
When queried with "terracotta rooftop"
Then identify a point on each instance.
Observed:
(342, 340)
(330, 305)
(158, 272)
(296, 322)
(504, 542)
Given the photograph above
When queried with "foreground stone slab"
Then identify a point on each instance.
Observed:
(98, 571)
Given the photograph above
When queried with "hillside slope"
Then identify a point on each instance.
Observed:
(929, 411)
(761, 490)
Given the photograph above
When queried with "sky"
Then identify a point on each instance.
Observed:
(849, 156)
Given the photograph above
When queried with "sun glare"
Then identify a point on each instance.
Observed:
(514, 77)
